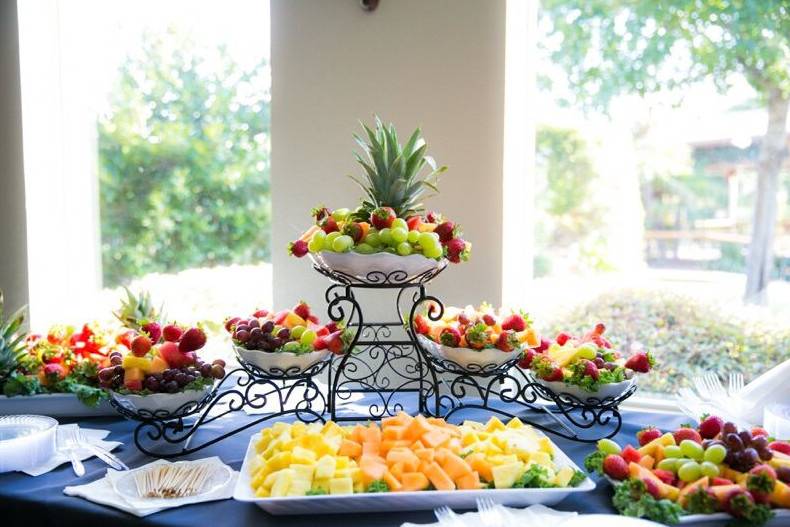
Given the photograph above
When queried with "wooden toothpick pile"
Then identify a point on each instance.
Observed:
(174, 480)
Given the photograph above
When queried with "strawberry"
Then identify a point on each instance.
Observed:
(320, 342)
(154, 331)
(261, 313)
(141, 345)
(652, 488)
(711, 426)
(54, 372)
(302, 310)
(319, 213)
(321, 331)
(230, 323)
(759, 431)
(507, 341)
(446, 231)
(782, 447)
(562, 338)
(297, 248)
(173, 356)
(335, 342)
(421, 325)
(615, 467)
(433, 217)
(686, 433)
(526, 360)
(631, 454)
(647, 434)
(546, 369)
(172, 333)
(329, 224)
(641, 362)
(463, 319)
(354, 230)
(477, 336)
(543, 346)
(414, 222)
(761, 481)
(738, 502)
(450, 337)
(457, 250)
(193, 339)
(489, 320)
(555, 375)
(716, 481)
(590, 369)
(382, 217)
(665, 475)
(515, 322)
(333, 326)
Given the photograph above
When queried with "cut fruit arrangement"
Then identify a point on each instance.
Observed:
(404, 454)
(390, 219)
(589, 362)
(712, 468)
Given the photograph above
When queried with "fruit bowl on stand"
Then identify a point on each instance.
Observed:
(163, 405)
(378, 268)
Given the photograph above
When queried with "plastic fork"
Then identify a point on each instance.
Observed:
(447, 517)
(67, 437)
(715, 386)
(490, 513)
(735, 384)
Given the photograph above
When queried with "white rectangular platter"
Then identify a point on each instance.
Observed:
(781, 519)
(53, 405)
(400, 501)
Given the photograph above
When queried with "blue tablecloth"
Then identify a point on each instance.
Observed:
(34, 501)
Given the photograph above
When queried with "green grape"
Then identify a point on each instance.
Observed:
(607, 446)
(432, 251)
(669, 464)
(340, 214)
(692, 449)
(329, 242)
(672, 451)
(709, 469)
(364, 248)
(297, 331)
(404, 249)
(715, 454)
(316, 243)
(372, 239)
(428, 238)
(399, 223)
(587, 351)
(413, 237)
(690, 471)
(342, 243)
(399, 235)
(307, 337)
(390, 250)
(385, 236)
(291, 346)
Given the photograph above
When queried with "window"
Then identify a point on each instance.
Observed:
(147, 155)
(663, 182)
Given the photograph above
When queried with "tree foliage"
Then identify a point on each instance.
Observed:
(183, 162)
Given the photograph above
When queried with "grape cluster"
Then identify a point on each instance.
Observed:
(171, 380)
(601, 363)
(252, 334)
(744, 450)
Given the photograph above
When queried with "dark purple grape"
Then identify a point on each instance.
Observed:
(118, 370)
(168, 375)
(733, 442)
(190, 378)
(217, 371)
(599, 362)
(117, 360)
(152, 384)
(219, 361)
(610, 366)
(276, 342)
(171, 387)
(116, 381)
(267, 326)
(729, 428)
(181, 379)
(115, 354)
(759, 443)
(243, 327)
(253, 323)
(783, 474)
(105, 374)
(205, 370)
(284, 334)
(746, 437)
(765, 454)
(750, 457)
(242, 335)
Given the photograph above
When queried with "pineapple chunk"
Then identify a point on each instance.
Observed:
(325, 467)
(342, 462)
(341, 486)
(270, 479)
(298, 429)
(494, 424)
(540, 458)
(506, 475)
(282, 483)
(503, 459)
(303, 456)
(563, 476)
(515, 423)
(279, 461)
(299, 487)
(304, 472)
(321, 484)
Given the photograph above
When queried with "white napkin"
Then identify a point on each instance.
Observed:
(104, 491)
(770, 387)
(95, 437)
(532, 516)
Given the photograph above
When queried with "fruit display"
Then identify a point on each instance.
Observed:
(391, 219)
(404, 454)
(588, 362)
(712, 468)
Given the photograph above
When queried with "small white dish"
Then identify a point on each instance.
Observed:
(26, 441)
(162, 404)
(378, 267)
(605, 391)
(281, 363)
(487, 359)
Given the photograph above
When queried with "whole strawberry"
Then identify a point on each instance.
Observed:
(477, 336)
(354, 230)
(516, 322)
(457, 250)
(543, 346)
(631, 454)
(154, 331)
(192, 340)
(526, 360)
(302, 309)
(450, 337)
(711, 426)
(329, 225)
(647, 435)
(562, 338)
(686, 433)
(172, 333)
(445, 231)
(761, 482)
(141, 345)
(382, 217)
(507, 341)
(615, 467)
(298, 248)
(640, 362)
(783, 447)
(591, 370)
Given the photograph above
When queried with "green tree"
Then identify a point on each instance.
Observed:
(183, 162)
(609, 47)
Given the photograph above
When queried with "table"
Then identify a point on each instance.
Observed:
(28, 501)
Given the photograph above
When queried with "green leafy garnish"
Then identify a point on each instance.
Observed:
(700, 502)
(535, 476)
(315, 492)
(594, 462)
(378, 486)
(577, 478)
(632, 499)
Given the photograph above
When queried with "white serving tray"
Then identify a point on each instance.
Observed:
(400, 501)
(781, 519)
(53, 405)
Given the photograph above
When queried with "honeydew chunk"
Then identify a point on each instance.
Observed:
(325, 467)
(506, 475)
(282, 483)
(343, 485)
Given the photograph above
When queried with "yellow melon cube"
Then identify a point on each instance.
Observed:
(342, 462)
(130, 361)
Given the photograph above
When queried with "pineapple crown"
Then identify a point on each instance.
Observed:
(12, 340)
(137, 310)
(393, 174)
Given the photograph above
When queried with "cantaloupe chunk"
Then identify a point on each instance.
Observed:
(389, 444)
(417, 444)
(371, 434)
(470, 481)
(425, 454)
(371, 448)
(413, 481)
(454, 466)
(437, 476)
(435, 438)
(356, 433)
(393, 432)
(400, 419)
(481, 465)
(418, 426)
(350, 448)
(396, 469)
(400, 454)
(372, 469)
(392, 482)
(647, 461)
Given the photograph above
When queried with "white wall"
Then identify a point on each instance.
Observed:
(436, 64)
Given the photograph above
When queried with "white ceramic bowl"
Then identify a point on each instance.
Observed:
(26, 441)
(162, 403)
(281, 362)
(613, 390)
(487, 359)
(379, 267)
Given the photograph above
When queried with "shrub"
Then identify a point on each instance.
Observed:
(687, 337)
